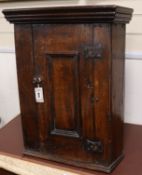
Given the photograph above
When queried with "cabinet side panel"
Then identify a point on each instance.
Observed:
(24, 56)
(118, 58)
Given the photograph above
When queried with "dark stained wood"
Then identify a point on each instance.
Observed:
(71, 14)
(79, 63)
(62, 72)
(117, 84)
(65, 91)
(102, 91)
(25, 63)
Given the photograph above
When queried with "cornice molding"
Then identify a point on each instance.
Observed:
(70, 14)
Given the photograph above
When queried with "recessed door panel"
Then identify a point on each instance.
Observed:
(63, 74)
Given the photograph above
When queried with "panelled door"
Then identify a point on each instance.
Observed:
(64, 91)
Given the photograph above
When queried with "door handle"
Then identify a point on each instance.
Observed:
(37, 80)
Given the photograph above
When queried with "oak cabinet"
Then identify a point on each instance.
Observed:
(70, 63)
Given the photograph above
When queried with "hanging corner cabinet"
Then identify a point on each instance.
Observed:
(70, 64)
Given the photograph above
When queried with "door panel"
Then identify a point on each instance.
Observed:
(63, 73)
(67, 116)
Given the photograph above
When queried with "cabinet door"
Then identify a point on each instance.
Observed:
(66, 117)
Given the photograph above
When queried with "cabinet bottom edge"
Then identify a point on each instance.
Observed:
(90, 166)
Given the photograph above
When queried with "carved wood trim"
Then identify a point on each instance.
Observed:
(71, 14)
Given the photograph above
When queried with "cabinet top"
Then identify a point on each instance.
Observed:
(70, 14)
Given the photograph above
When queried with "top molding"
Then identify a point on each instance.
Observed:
(70, 14)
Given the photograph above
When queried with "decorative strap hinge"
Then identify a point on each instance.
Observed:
(95, 146)
(95, 51)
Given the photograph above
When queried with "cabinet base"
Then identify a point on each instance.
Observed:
(97, 167)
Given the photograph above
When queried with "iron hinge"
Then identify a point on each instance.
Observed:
(95, 146)
(95, 51)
